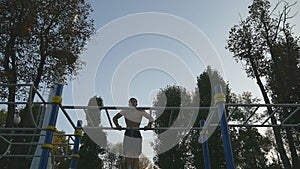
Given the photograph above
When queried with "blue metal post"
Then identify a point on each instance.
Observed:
(75, 154)
(220, 100)
(47, 146)
(203, 135)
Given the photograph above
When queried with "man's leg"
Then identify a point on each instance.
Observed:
(135, 163)
(128, 163)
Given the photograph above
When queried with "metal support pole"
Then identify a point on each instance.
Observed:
(45, 117)
(75, 153)
(203, 135)
(50, 129)
(220, 100)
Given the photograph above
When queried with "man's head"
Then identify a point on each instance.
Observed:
(132, 102)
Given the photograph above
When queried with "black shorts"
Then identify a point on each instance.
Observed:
(132, 143)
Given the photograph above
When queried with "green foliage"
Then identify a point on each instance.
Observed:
(267, 47)
(39, 41)
(114, 156)
(285, 72)
(3, 144)
(61, 148)
(204, 95)
(250, 146)
(3, 115)
(90, 151)
(171, 96)
(89, 154)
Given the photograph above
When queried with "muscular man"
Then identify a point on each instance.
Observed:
(132, 143)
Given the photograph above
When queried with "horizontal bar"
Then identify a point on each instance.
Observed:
(138, 108)
(263, 125)
(250, 116)
(19, 129)
(27, 102)
(262, 105)
(291, 114)
(17, 134)
(28, 156)
(270, 115)
(67, 116)
(16, 85)
(143, 129)
(37, 143)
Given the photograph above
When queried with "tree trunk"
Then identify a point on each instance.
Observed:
(290, 139)
(10, 68)
(278, 139)
(10, 72)
(11, 107)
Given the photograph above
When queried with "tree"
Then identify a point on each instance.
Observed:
(114, 156)
(255, 42)
(145, 163)
(203, 98)
(285, 75)
(61, 148)
(90, 151)
(40, 41)
(251, 148)
(174, 157)
(4, 145)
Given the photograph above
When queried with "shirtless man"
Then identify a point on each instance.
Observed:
(132, 143)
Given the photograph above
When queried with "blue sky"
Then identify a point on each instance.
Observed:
(127, 69)
(214, 18)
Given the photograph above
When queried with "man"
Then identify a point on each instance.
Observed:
(132, 143)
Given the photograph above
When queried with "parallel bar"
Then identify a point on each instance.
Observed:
(18, 129)
(75, 153)
(30, 156)
(136, 128)
(67, 116)
(25, 102)
(262, 105)
(20, 135)
(263, 125)
(294, 112)
(224, 129)
(15, 84)
(4, 139)
(109, 120)
(139, 108)
(232, 112)
(245, 122)
(37, 143)
(17, 134)
(49, 133)
(272, 114)
(205, 148)
(38, 93)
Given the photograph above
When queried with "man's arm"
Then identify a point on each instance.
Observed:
(149, 117)
(115, 120)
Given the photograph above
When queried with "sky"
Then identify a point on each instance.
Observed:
(143, 46)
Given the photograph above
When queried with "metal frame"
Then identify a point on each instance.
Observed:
(232, 109)
(8, 134)
(248, 110)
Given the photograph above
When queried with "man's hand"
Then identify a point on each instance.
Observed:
(147, 127)
(119, 127)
